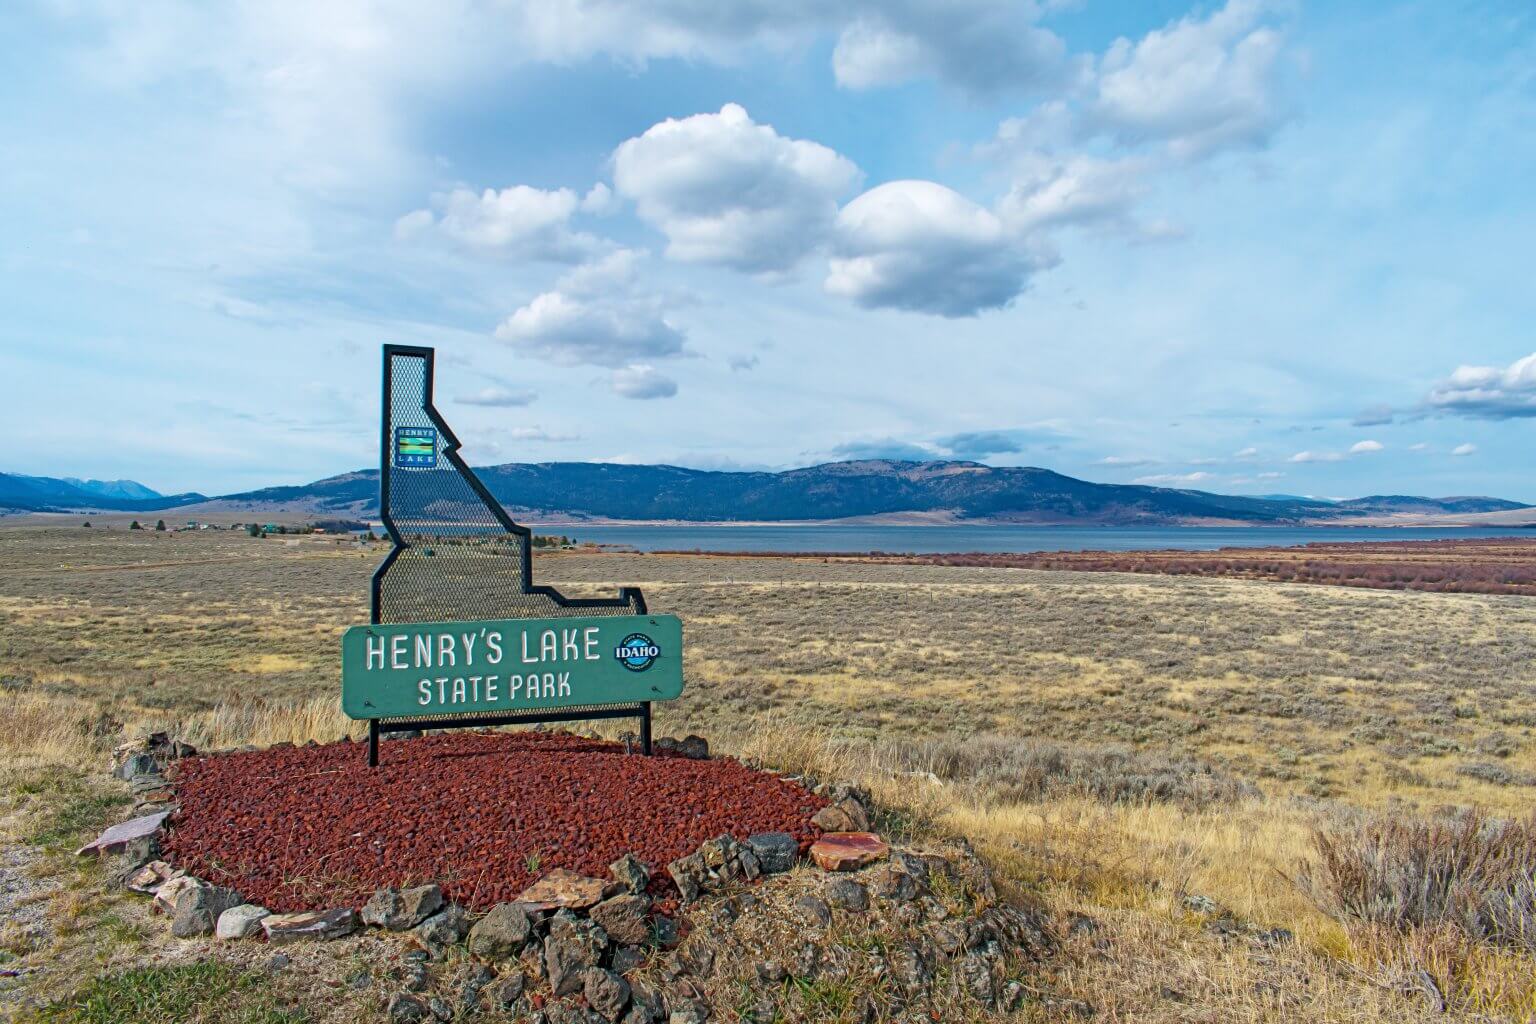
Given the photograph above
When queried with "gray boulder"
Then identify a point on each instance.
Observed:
(606, 992)
(813, 912)
(501, 934)
(689, 875)
(775, 851)
(572, 946)
(688, 1011)
(504, 993)
(240, 922)
(407, 1009)
(847, 894)
(400, 910)
(629, 872)
(626, 919)
(198, 908)
(447, 927)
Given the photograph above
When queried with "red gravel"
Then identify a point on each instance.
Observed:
(482, 814)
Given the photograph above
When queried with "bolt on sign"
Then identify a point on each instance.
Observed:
(460, 635)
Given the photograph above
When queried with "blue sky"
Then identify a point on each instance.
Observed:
(1245, 247)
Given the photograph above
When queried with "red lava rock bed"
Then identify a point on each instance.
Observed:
(484, 815)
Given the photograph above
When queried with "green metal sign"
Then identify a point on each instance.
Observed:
(509, 665)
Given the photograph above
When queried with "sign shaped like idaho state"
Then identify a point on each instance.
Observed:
(445, 668)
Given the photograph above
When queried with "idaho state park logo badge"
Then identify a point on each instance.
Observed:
(637, 652)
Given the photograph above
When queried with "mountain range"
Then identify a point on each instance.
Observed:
(53, 494)
(868, 489)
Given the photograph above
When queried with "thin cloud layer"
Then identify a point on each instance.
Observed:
(525, 222)
(497, 397)
(594, 316)
(642, 381)
(979, 46)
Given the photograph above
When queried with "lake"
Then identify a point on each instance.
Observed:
(937, 539)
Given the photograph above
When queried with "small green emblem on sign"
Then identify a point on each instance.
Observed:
(435, 668)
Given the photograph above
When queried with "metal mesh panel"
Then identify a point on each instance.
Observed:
(458, 556)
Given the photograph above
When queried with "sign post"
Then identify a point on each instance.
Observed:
(459, 635)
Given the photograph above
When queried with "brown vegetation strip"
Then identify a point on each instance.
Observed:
(1498, 565)
(482, 814)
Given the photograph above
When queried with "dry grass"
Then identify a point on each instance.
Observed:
(1113, 743)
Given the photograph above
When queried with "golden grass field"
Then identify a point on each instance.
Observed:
(1112, 743)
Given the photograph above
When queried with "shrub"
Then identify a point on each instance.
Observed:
(1021, 770)
(1474, 875)
(159, 525)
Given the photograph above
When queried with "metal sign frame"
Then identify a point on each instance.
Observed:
(491, 527)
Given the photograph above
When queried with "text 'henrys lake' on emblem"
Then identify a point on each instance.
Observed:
(434, 668)
(416, 447)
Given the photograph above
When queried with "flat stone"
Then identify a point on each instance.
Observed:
(848, 851)
(564, 888)
(775, 851)
(150, 877)
(626, 919)
(117, 838)
(403, 909)
(165, 896)
(240, 922)
(282, 929)
(501, 934)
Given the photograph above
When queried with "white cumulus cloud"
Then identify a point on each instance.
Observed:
(725, 189)
(1198, 85)
(1464, 449)
(1317, 457)
(919, 246)
(1489, 392)
(1365, 447)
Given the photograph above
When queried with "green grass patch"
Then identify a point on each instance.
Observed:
(200, 993)
(76, 814)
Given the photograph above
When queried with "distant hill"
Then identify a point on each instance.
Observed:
(1387, 503)
(839, 490)
(51, 494)
(131, 490)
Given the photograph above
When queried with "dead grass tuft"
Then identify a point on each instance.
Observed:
(1471, 875)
